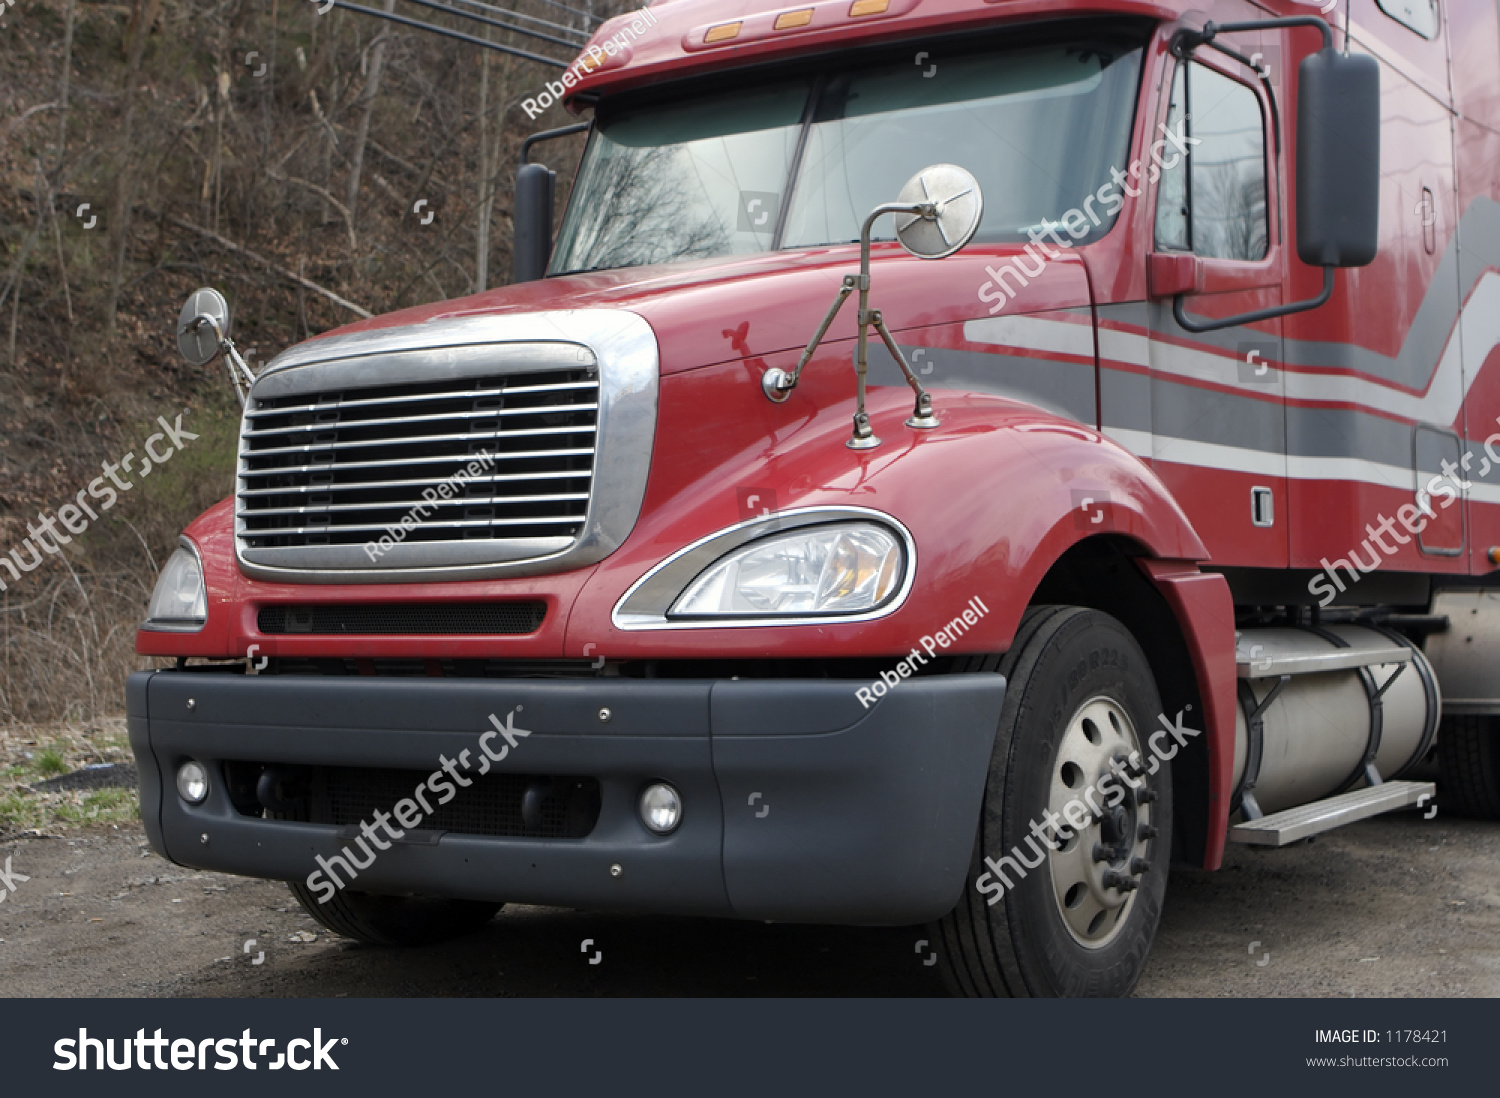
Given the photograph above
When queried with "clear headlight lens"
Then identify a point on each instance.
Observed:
(841, 569)
(179, 601)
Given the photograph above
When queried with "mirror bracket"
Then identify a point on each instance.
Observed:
(1186, 40)
(1183, 43)
(531, 213)
(778, 384)
(955, 224)
(1192, 324)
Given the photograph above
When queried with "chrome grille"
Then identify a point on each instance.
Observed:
(346, 466)
(452, 449)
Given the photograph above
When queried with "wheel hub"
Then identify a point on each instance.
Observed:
(1101, 797)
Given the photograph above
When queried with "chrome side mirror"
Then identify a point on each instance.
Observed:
(203, 334)
(939, 211)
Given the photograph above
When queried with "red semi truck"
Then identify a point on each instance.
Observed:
(1144, 503)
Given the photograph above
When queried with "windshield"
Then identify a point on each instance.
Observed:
(700, 176)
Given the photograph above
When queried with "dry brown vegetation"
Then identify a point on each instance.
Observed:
(244, 145)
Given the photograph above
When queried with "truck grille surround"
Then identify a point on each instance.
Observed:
(454, 449)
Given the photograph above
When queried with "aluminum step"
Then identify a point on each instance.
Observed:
(1289, 825)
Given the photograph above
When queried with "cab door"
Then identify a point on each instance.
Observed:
(1218, 397)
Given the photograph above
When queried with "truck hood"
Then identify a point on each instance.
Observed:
(713, 311)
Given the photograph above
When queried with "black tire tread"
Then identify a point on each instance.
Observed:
(380, 921)
(1469, 760)
(980, 956)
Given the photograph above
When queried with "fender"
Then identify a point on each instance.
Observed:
(1204, 609)
(992, 499)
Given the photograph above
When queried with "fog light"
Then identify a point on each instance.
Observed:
(192, 781)
(661, 808)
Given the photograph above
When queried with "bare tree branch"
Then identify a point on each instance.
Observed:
(266, 263)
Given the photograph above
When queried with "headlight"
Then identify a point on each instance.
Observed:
(179, 603)
(844, 569)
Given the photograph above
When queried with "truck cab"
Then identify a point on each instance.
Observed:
(666, 580)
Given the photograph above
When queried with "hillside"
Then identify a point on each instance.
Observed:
(276, 150)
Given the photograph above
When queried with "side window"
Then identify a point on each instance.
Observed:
(1212, 202)
(1419, 15)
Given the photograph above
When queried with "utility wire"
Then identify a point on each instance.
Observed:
(446, 10)
(533, 19)
(446, 33)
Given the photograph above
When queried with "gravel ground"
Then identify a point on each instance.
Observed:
(1398, 906)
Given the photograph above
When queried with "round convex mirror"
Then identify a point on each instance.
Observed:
(958, 207)
(196, 338)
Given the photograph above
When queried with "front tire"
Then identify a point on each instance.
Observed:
(1052, 909)
(395, 920)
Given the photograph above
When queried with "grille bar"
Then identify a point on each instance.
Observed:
(437, 417)
(362, 485)
(471, 394)
(474, 524)
(403, 463)
(418, 440)
(402, 505)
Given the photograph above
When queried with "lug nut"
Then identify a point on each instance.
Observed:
(1148, 831)
(1119, 881)
(1138, 866)
(1103, 853)
(1145, 796)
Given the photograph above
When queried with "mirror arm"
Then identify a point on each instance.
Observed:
(777, 383)
(922, 419)
(1185, 41)
(550, 135)
(240, 375)
(1179, 310)
(240, 364)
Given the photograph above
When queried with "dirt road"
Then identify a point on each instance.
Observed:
(1399, 906)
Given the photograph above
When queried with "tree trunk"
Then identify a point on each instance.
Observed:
(145, 16)
(372, 88)
(486, 201)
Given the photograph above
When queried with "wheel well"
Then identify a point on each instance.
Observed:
(1101, 574)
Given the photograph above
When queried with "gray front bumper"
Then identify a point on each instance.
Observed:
(862, 817)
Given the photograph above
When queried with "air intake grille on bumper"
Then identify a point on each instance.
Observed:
(499, 805)
(406, 619)
(345, 466)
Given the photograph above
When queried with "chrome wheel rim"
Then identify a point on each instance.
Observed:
(1098, 869)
